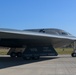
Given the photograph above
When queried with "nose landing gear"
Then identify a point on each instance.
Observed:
(74, 52)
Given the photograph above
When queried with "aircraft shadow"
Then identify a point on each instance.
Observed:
(6, 62)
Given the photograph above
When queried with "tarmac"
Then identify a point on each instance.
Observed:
(60, 65)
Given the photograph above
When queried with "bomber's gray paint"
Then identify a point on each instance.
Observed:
(34, 37)
(30, 33)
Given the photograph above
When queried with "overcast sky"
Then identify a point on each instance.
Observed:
(34, 14)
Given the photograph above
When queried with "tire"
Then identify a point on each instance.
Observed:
(73, 54)
(13, 54)
(19, 54)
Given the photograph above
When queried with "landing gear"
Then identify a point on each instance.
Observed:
(13, 54)
(74, 48)
(73, 54)
(19, 54)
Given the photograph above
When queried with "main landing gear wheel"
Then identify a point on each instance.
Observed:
(13, 54)
(73, 54)
(19, 54)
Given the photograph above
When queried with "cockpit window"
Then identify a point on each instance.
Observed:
(63, 33)
(42, 30)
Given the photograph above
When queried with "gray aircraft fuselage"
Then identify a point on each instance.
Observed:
(16, 40)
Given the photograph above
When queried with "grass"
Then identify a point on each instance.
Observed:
(4, 51)
(64, 51)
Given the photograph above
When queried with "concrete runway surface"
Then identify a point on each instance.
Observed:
(60, 65)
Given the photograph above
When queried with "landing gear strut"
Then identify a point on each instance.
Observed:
(74, 52)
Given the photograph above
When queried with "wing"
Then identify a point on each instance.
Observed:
(19, 38)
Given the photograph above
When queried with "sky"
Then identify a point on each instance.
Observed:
(35, 14)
